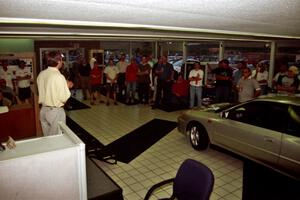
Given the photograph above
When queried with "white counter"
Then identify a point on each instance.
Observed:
(50, 167)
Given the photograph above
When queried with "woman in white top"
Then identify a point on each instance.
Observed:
(261, 75)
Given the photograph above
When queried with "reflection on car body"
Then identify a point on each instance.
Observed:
(266, 130)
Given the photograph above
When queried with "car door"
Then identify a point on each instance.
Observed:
(289, 159)
(245, 130)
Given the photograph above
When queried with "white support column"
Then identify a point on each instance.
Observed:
(155, 50)
(130, 50)
(161, 50)
(221, 50)
(272, 62)
(184, 58)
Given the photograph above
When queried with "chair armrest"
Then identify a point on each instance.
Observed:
(156, 186)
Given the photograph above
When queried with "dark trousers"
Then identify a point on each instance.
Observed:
(222, 93)
(143, 92)
(179, 101)
(121, 84)
(164, 89)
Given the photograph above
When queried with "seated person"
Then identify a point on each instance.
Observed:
(4, 101)
(9, 141)
(283, 71)
(289, 83)
(180, 92)
(7, 92)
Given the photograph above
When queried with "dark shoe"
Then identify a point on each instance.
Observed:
(92, 103)
(107, 103)
(115, 103)
(101, 101)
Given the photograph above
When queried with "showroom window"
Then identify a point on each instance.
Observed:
(139, 49)
(287, 52)
(114, 49)
(206, 52)
(251, 52)
(202, 51)
(174, 52)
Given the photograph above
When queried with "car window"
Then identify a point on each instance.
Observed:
(277, 117)
(294, 121)
(251, 113)
(268, 115)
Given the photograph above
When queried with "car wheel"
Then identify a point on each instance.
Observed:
(198, 137)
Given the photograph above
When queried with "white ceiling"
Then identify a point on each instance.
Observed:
(251, 18)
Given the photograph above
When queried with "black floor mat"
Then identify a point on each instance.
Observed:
(74, 104)
(128, 147)
(91, 143)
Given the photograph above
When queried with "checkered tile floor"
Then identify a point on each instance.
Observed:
(161, 161)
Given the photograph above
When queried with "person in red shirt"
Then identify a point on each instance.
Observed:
(130, 80)
(95, 81)
(180, 92)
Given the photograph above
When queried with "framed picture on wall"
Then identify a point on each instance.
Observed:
(13, 63)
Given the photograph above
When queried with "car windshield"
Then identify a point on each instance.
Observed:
(225, 107)
(219, 107)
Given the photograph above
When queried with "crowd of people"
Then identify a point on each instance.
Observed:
(146, 81)
(155, 82)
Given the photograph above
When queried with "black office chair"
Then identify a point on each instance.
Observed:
(193, 181)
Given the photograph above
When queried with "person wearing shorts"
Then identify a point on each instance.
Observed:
(111, 72)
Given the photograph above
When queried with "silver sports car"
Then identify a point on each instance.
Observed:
(266, 130)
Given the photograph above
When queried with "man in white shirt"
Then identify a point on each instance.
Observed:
(53, 93)
(111, 72)
(247, 86)
(196, 82)
(24, 76)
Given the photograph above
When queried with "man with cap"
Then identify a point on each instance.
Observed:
(223, 81)
(289, 83)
